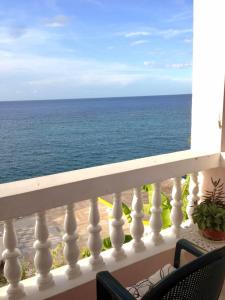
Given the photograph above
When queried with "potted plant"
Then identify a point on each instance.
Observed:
(209, 215)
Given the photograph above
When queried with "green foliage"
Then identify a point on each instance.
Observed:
(184, 196)
(166, 210)
(85, 252)
(210, 213)
(3, 280)
(216, 195)
(106, 244)
(166, 205)
(209, 216)
(126, 210)
(57, 256)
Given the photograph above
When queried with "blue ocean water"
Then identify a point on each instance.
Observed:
(45, 137)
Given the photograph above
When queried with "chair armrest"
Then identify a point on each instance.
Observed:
(109, 288)
(187, 246)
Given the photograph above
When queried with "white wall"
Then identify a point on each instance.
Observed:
(208, 75)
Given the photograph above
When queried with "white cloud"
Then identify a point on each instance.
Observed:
(170, 33)
(188, 41)
(154, 65)
(164, 33)
(39, 77)
(136, 34)
(150, 63)
(9, 36)
(4, 53)
(57, 21)
(38, 71)
(185, 15)
(139, 42)
(90, 78)
(179, 66)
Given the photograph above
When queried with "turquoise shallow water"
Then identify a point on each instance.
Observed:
(45, 137)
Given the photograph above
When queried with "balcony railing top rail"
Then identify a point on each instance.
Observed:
(29, 196)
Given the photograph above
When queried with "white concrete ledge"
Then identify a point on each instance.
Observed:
(62, 284)
(29, 196)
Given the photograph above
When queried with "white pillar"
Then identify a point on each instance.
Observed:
(156, 219)
(43, 258)
(71, 251)
(137, 226)
(94, 239)
(193, 197)
(176, 212)
(12, 268)
(116, 228)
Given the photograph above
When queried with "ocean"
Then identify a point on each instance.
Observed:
(50, 136)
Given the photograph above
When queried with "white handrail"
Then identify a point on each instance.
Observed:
(29, 196)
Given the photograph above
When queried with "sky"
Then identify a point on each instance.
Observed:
(61, 49)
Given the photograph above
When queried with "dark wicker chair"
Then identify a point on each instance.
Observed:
(200, 279)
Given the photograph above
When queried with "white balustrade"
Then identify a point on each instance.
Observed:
(155, 218)
(12, 267)
(106, 179)
(116, 228)
(94, 239)
(43, 258)
(137, 227)
(193, 197)
(176, 212)
(71, 250)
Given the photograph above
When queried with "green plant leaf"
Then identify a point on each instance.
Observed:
(105, 202)
(126, 212)
(146, 209)
(107, 243)
(85, 252)
(127, 238)
(166, 220)
(184, 196)
(149, 189)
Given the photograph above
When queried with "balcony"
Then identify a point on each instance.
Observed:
(150, 247)
(131, 261)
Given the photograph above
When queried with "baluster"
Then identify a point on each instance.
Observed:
(193, 197)
(12, 267)
(176, 212)
(71, 250)
(156, 219)
(137, 227)
(43, 258)
(94, 239)
(116, 231)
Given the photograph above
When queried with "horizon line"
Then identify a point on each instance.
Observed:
(94, 98)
